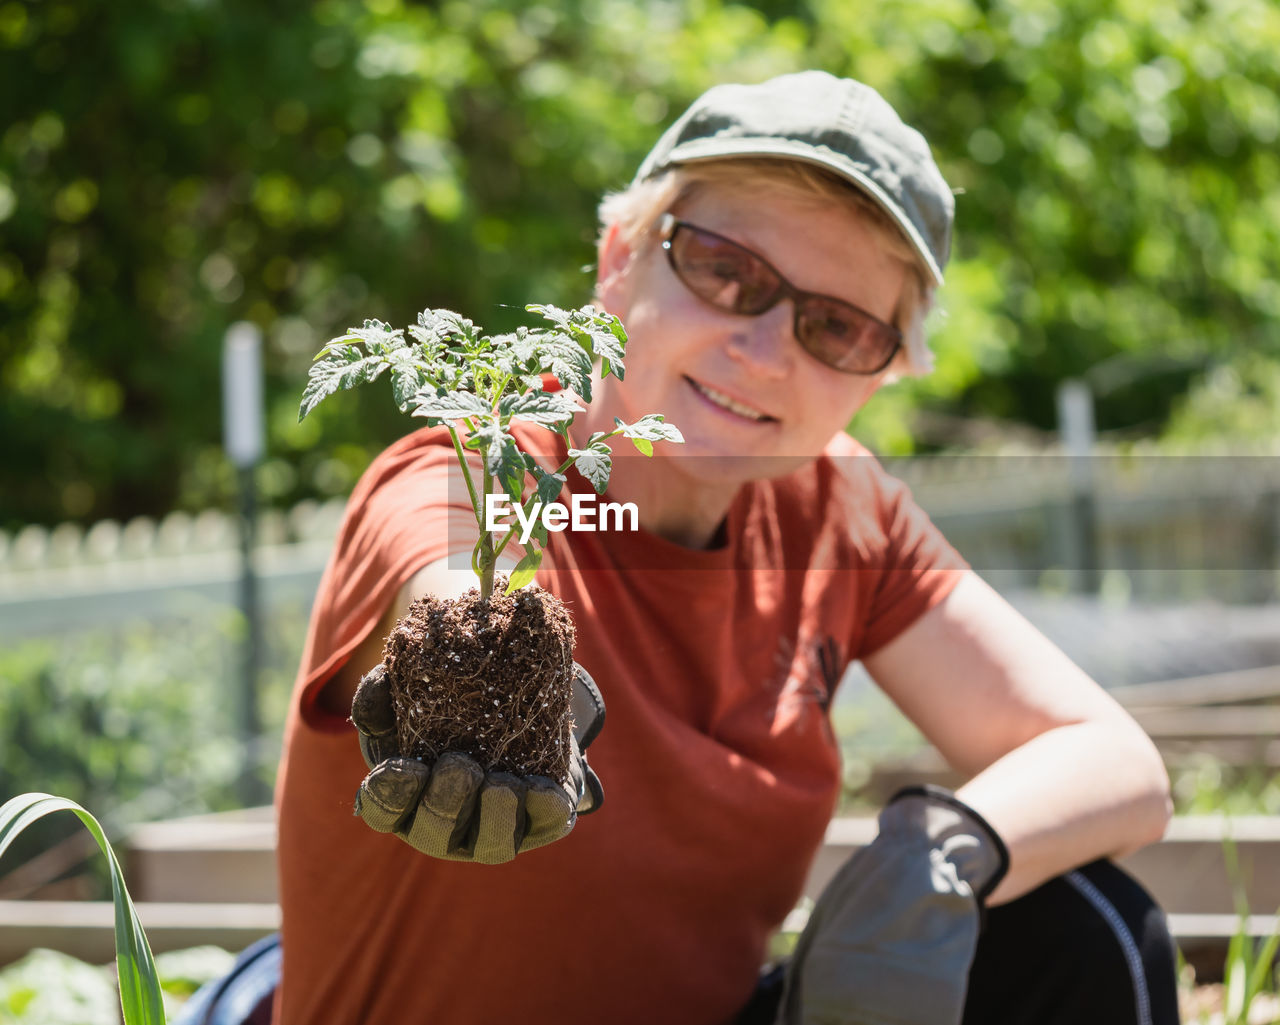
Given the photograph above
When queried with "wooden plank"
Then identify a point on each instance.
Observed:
(1186, 872)
(1194, 930)
(85, 929)
(1183, 745)
(1203, 940)
(1246, 752)
(1215, 689)
(212, 860)
(227, 857)
(1210, 722)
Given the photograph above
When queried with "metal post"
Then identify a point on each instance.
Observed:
(251, 789)
(243, 433)
(1076, 428)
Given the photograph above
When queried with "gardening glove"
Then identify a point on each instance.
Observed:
(453, 809)
(892, 938)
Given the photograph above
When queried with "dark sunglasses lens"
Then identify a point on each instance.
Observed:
(731, 278)
(722, 273)
(843, 337)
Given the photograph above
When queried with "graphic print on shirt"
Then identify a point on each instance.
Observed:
(806, 678)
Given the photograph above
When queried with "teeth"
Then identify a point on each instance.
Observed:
(720, 399)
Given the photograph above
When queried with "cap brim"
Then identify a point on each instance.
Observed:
(785, 149)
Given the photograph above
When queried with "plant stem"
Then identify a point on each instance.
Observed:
(487, 555)
(532, 499)
(476, 506)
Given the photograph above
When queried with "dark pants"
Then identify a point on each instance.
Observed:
(1087, 947)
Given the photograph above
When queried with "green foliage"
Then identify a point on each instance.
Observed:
(484, 382)
(1118, 210)
(50, 988)
(135, 722)
(140, 995)
(1207, 786)
(1249, 969)
(168, 168)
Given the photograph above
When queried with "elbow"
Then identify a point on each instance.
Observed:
(1152, 795)
(1159, 810)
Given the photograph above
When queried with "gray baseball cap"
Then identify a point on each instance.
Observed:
(836, 123)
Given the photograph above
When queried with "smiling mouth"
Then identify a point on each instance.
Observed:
(732, 405)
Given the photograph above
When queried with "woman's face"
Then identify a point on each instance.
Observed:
(690, 361)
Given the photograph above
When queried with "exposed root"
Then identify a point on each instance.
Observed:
(493, 680)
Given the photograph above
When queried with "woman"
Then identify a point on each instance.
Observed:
(773, 262)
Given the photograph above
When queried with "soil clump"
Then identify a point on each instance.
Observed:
(491, 679)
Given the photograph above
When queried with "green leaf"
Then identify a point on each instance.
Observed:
(650, 427)
(548, 408)
(513, 484)
(429, 342)
(525, 570)
(502, 456)
(568, 361)
(549, 486)
(644, 445)
(380, 338)
(408, 377)
(448, 328)
(1236, 974)
(141, 999)
(608, 339)
(552, 313)
(1262, 968)
(595, 463)
(596, 332)
(515, 352)
(454, 405)
(339, 367)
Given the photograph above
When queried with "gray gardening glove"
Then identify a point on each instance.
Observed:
(453, 809)
(892, 937)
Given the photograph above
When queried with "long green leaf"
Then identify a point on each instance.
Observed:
(140, 994)
(1262, 968)
(1235, 976)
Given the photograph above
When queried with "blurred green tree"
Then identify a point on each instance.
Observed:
(168, 167)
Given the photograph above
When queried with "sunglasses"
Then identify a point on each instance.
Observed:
(736, 280)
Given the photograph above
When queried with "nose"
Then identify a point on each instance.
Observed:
(764, 345)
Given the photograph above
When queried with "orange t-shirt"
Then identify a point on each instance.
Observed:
(718, 760)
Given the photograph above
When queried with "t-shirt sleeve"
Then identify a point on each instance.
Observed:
(916, 566)
(409, 509)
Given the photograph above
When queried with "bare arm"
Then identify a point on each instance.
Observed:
(1060, 770)
(436, 578)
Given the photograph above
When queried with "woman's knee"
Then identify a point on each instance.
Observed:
(1090, 943)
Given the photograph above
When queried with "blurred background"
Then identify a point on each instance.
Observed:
(1099, 437)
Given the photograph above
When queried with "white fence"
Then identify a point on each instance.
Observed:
(1172, 527)
(68, 578)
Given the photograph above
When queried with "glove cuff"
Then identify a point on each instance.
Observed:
(988, 875)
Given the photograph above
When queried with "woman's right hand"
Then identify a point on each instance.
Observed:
(453, 808)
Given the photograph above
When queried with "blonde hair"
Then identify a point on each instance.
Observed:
(636, 209)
